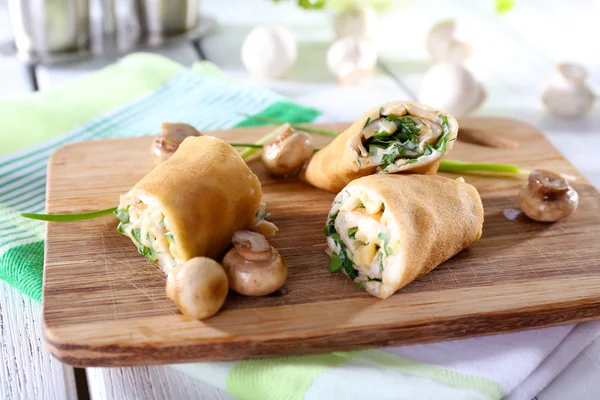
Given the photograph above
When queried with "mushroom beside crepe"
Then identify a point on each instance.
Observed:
(191, 204)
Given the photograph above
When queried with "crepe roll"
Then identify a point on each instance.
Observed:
(396, 137)
(384, 231)
(191, 204)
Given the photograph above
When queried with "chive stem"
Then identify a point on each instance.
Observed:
(250, 145)
(258, 144)
(69, 217)
(491, 169)
(460, 166)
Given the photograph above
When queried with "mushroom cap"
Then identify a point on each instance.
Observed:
(172, 135)
(461, 94)
(356, 20)
(253, 266)
(288, 152)
(255, 277)
(352, 59)
(198, 287)
(573, 72)
(443, 46)
(269, 51)
(567, 95)
(547, 197)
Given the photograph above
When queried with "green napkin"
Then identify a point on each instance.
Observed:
(129, 98)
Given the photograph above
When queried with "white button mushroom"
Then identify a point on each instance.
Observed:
(568, 95)
(452, 88)
(287, 152)
(443, 46)
(198, 287)
(358, 20)
(253, 266)
(547, 197)
(269, 51)
(352, 60)
(173, 134)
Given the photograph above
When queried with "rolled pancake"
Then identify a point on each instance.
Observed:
(395, 137)
(191, 204)
(385, 231)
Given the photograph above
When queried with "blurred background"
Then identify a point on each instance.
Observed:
(533, 60)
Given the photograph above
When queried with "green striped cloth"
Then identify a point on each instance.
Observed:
(133, 97)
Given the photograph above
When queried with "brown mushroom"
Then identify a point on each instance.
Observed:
(287, 152)
(548, 197)
(173, 134)
(198, 287)
(253, 266)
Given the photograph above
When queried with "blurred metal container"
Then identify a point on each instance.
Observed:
(166, 17)
(50, 26)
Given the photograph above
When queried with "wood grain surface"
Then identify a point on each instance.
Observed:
(104, 305)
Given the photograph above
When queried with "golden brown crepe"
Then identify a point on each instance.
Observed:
(191, 204)
(395, 137)
(385, 231)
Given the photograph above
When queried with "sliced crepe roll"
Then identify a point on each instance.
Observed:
(384, 231)
(396, 137)
(191, 204)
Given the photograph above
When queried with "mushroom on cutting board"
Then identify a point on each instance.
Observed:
(547, 197)
(198, 287)
(173, 134)
(287, 152)
(253, 266)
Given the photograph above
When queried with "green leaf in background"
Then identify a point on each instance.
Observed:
(503, 6)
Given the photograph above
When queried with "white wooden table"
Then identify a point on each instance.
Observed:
(512, 59)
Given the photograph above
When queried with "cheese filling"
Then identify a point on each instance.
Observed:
(394, 142)
(359, 236)
(142, 220)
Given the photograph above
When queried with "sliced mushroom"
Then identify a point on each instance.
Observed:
(198, 287)
(173, 134)
(287, 152)
(261, 225)
(264, 227)
(253, 266)
(548, 197)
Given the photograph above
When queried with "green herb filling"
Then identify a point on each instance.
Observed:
(404, 142)
(339, 260)
(352, 232)
(122, 214)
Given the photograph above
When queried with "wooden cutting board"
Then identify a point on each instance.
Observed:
(104, 305)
